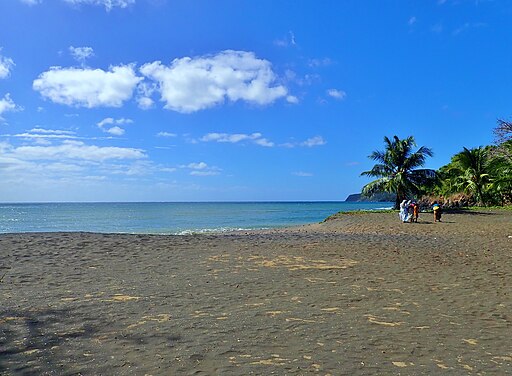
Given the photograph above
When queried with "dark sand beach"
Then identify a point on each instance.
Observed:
(362, 294)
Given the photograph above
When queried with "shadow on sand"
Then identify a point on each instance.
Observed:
(30, 339)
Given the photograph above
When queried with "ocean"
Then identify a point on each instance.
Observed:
(177, 218)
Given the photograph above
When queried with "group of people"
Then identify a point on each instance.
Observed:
(410, 211)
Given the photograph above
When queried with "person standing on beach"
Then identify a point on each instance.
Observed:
(403, 211)
(437, 212)
(416, 212)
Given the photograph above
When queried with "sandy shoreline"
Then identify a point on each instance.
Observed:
(359, 295)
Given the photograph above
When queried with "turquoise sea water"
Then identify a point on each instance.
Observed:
(168, 218)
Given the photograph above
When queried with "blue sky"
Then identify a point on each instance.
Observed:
(165, 100)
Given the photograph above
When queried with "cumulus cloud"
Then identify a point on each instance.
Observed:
(313, 141)
(193, 84)
(234, 138)
(7, 104)
(336, 94)
(83, 87)
(81, 54)
(201, 169)
(6, 65)
(144, 92)
(115, 130)
(108, 4)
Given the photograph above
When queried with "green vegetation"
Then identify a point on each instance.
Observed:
(480, 176)
(397, 169)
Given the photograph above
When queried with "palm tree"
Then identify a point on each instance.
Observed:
(470, 172)
(397, 169)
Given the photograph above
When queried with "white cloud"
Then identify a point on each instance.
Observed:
(115, 130)
(144, 92)
(302, 174)
(110, 120)
(204, 173)
(81, 54)
(52, 131)
(313, 141)
(197, 166)
(145, 103)
(166, 134)
(287, 41)
(201, 169)
(108, 4)
(6, 64)
(337, 94)
(310, 142)
(231, 138)
(82, 87)
(193, 84)
(292, 99)
(7, 104)
(237, 137)
(264, 142)
(76, 150)
(31, 2)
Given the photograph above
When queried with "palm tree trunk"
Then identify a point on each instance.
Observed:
(398, 200)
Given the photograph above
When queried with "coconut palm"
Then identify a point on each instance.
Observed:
(469, 171)
(397, 169)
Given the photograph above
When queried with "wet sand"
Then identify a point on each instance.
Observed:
(362, 294)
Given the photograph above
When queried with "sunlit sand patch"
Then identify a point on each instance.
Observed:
(200, 314)
(275, 360)
(225, 257)
(400, 364)
(504, 358)
(12, 318)
(333, 309)
(300, 320)
(375, 320)
(136, 324)
(301, 263)
(162, 317)
(30, 352)
(274, 313)
(68, 299)
(471, 341)
(123, 298)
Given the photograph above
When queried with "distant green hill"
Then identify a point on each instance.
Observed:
(378, 197)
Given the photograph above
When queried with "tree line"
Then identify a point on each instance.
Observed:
(482, 175)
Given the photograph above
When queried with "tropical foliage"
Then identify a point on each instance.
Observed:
(482, 174)
(397, 169)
